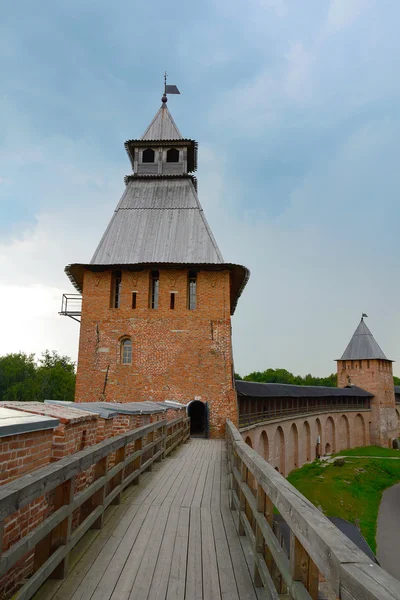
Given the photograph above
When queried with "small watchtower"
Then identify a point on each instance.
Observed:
(365, 365)
(157, 296)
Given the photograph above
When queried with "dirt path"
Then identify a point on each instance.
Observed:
(388, 531)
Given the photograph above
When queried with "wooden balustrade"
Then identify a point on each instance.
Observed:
(318, 550)
(53, 539)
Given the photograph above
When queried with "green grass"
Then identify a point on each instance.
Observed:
(353, 491)
(370, 451)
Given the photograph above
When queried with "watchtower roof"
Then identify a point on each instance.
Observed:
(158, 220)
(363, 345)
(162, 127)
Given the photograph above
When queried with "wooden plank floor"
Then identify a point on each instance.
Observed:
(172, 538)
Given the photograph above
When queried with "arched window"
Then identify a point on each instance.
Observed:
(126, 352)
(173, 155)
(148, 155)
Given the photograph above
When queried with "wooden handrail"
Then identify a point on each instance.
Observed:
(53, 539)
(316, 546)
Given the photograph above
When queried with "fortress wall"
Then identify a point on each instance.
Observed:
(288, 444)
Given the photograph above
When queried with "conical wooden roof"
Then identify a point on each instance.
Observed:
(363, 345)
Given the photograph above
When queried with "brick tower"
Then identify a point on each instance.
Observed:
(157, 295)
(365, 365)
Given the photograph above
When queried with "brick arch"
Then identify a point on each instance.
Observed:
(248, 441)
(293, 448)
(344, 433)
(359, 431)
(318, 433)
(263, 445)
(278, 450)
(306, 441)
(329, 438)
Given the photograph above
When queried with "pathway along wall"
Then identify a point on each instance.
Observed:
(288, 444)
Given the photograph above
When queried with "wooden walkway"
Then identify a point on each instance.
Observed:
(173, 537)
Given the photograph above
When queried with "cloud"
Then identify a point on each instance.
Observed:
(298, 178)
(342, 13)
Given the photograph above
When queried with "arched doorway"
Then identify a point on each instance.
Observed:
(197, 412)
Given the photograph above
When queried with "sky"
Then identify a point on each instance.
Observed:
(295, 106)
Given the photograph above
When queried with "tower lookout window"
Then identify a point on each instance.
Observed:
(192, 284)
(148, 155)
(154, 289)
(172, 155)
(116, 284)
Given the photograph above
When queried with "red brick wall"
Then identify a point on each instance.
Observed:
(375, 376)
(22, 453)
(19, 455)
(178, 354)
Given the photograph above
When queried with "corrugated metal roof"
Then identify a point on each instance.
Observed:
(282, 390)
(162, 127)
(363, 345)
(397, 390)
(158, 221)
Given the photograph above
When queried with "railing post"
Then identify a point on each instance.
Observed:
(150, 439)
(158, 446)
(98, 497)
(120, 456)
(302, 567)
(242, 498)
(164, 432)
(61, 534)
(259, 540)
(138, 461)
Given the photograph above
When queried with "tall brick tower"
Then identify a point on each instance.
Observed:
(157, 295)
(364, 364)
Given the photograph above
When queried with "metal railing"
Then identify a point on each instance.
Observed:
(53, 539)
(71, 306)
(248, 419)
(318, 550)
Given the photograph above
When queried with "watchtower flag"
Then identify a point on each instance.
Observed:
(364, 315)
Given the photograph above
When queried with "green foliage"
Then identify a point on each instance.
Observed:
(354, 491)
(284, 376)
(396, 380)
(52, 378)
(237, 376)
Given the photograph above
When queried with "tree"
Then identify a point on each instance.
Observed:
(53, 378)
(17, 372)
(284, 376)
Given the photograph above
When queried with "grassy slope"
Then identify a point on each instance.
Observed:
(353, 491)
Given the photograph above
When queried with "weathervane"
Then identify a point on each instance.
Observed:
(168, 89)
(362, 316)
